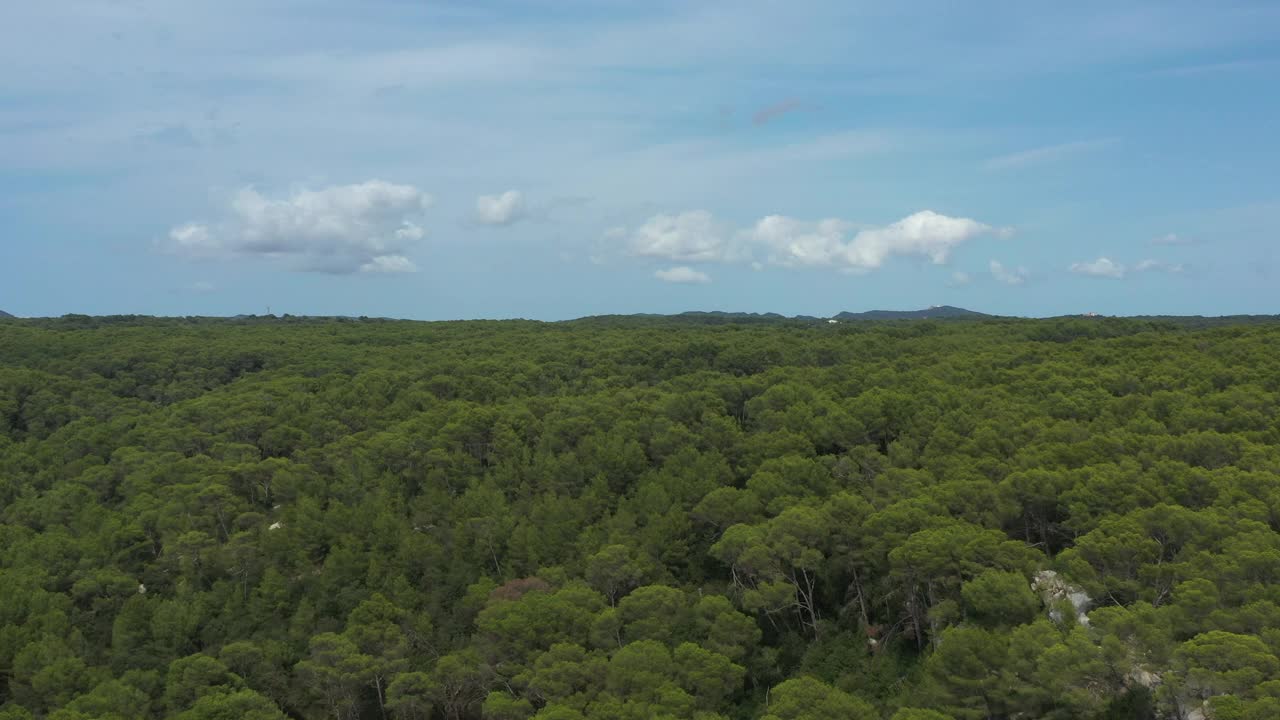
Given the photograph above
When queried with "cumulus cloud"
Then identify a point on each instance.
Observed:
(925, 233)
(1102, 267)
(693, 236)
(1171, 239)
(1008, 276)
(410, 231)
(501, 209)
(697, 236)
(1159, 266)
(193, 239)
(795, 242)
(683, 274)
(828, 242)
(366, 227)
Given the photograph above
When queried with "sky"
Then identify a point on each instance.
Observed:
(552, 159)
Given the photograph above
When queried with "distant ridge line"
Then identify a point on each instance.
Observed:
(937, 312)
(946, 313)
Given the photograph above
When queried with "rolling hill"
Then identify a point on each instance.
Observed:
(937, 312)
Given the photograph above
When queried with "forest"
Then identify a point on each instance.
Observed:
(639, 518)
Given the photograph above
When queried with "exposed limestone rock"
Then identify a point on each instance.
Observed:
(1054, 590)
(1142, 678)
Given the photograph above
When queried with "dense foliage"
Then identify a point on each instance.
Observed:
(633, 519)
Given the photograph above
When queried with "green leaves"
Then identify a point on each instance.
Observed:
(1223, 663)
(1000, 599)
(636, 519)
(806, 698)
(616, 570)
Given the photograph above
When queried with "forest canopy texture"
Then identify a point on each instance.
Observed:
(639, 518)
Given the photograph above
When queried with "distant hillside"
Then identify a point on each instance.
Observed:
(717, 317)
(694, 317)
(4, 314)
(1201, 321)
(939, 312)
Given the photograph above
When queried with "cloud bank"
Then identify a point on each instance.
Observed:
(696, 236)
(360, 228)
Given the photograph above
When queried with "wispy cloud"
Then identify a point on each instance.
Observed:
(1159, 266)
(1171, 239)
(776, 110)
(1008, 275)
(1215, 68)
(683, 275)
(1102, 267)
(200, 287)
(1047, 154)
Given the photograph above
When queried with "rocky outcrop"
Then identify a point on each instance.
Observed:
(1057, 593)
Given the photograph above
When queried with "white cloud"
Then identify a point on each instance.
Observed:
(1102, 267)
(389, 264)
(193, 239)
(960, 277)
(683, 274)
(364, 227)
(693, 236)
(1008, 276)
(795, 242)
(501, 209)
(1171, 239)
(697, 236)
(924, 234)
(1048, 153)
(1159, 266)
(410, 231)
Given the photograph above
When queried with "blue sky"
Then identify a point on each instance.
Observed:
(558, 158)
